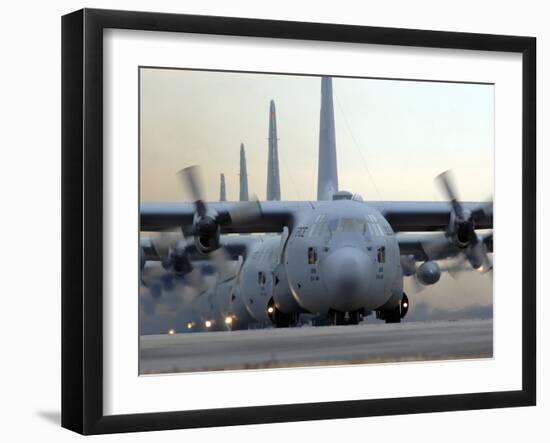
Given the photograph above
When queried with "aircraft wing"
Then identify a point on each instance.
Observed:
(426, 215)
(410, 243)
(275, 215)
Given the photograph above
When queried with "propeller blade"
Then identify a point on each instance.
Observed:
(416, 286)
(488, 241)
(478, 257)
(455, 267)
(447, 186)
(162, 243)
(190, 180)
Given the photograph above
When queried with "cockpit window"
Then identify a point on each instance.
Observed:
(374, 227)
(369, 226)
(348, 225)
(319, 227)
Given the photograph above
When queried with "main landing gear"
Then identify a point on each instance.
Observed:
(396, 314)
(280, 319)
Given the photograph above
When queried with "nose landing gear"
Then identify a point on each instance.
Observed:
(339, 318)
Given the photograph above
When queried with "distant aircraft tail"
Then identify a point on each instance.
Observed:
(327, 175)
(223, 196)
(243, 177)
(273, 182)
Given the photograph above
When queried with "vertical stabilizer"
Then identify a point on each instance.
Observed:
(327, 174)
(273, 183)
(243, 177)
(223, 196)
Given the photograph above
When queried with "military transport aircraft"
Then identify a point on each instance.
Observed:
(338, 257)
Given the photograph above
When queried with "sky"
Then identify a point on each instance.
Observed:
(392, 137)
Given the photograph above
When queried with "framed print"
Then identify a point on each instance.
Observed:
(284, 221)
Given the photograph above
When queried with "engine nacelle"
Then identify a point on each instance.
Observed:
(180, 262)
(428, 273)
(462, 229)
(207, 237)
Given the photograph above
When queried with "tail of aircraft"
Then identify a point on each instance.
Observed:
(327, 174)
(243, 177)
(273, 182)
(223, 196)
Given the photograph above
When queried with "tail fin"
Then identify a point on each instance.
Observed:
(273, 182)
(223, 196)
(243, 177)
(327, 175)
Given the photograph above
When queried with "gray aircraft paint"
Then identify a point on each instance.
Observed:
(344, 256)
(223, 195)
(273, 181)
(243, 177)
(263, 281)
(327, 175)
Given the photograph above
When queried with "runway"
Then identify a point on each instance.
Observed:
(313, 346)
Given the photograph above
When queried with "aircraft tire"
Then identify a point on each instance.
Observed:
(354, 317)
(282, 320)
(393, 316)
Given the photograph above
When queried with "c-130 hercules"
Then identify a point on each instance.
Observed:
(338, 257)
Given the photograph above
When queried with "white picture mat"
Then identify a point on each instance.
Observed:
(125, 392)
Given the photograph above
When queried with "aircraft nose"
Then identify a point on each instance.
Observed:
(346, 272)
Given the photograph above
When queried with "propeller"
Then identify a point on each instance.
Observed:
(417, 287)
(175, 270)
(458, 266)
(177, 273)
(461, 230)
(207, 224)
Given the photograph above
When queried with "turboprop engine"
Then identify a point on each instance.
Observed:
(207, 224)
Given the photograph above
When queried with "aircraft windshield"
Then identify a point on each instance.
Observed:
(366, 226)
(349, 225)
(320, 227)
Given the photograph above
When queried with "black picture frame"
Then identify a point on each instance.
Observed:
(82, 218)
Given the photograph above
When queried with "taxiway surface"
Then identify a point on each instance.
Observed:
(312, 346)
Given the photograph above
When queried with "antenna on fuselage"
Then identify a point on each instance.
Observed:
(243, 177)
(273, 181)
(327, 174)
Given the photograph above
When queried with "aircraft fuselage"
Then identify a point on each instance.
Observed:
(343, 255)
(340, 256)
